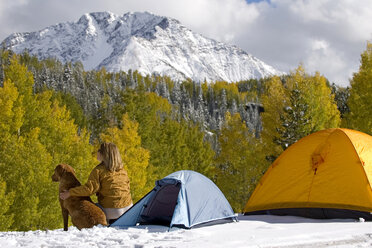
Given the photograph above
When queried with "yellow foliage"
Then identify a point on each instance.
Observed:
(274, 101)
(6, 200)
(240, 162)
(360, 100)
(35, 135)
(11, 114)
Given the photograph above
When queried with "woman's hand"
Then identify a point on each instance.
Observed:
(64, 195)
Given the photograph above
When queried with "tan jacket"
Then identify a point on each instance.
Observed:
(112, 188)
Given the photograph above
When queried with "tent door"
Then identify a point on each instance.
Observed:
(159, 210)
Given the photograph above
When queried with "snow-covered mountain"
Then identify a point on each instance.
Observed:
(144, 42)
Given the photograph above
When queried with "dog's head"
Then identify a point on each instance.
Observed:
(60, 171)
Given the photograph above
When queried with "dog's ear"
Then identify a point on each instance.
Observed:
(68, 169)
(61, 170)
(58, 172)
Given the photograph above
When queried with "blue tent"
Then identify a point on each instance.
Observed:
(182, 199)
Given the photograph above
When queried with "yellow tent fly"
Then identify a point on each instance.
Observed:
(327, 170)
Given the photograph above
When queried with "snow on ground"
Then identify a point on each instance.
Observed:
(250, 231)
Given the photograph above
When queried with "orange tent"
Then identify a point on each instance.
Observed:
(327, 170)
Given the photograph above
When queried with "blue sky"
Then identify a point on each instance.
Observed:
(324, 35)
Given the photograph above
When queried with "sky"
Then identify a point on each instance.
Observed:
(327, 36)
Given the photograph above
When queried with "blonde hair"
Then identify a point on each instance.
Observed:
(111, 156)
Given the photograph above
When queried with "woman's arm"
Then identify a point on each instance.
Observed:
(90, 187)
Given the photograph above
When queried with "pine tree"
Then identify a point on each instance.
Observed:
(176, 94)
(68, 79)
(295, 108)
(341, 98)
(295, 119)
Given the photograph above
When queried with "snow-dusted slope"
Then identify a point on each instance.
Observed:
(143, 42)
(250, 231)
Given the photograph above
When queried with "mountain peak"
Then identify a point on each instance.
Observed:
(104, 18)
(141, 41)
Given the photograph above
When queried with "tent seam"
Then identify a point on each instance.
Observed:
(360, 160)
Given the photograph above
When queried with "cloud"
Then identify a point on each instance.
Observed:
(325, 35)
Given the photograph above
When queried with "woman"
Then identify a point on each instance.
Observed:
(109, 180)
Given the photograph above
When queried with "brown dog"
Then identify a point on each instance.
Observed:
(84, 213)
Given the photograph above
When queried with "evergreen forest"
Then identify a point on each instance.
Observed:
(53, 113)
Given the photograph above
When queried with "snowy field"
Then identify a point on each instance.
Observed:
(250, 231)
